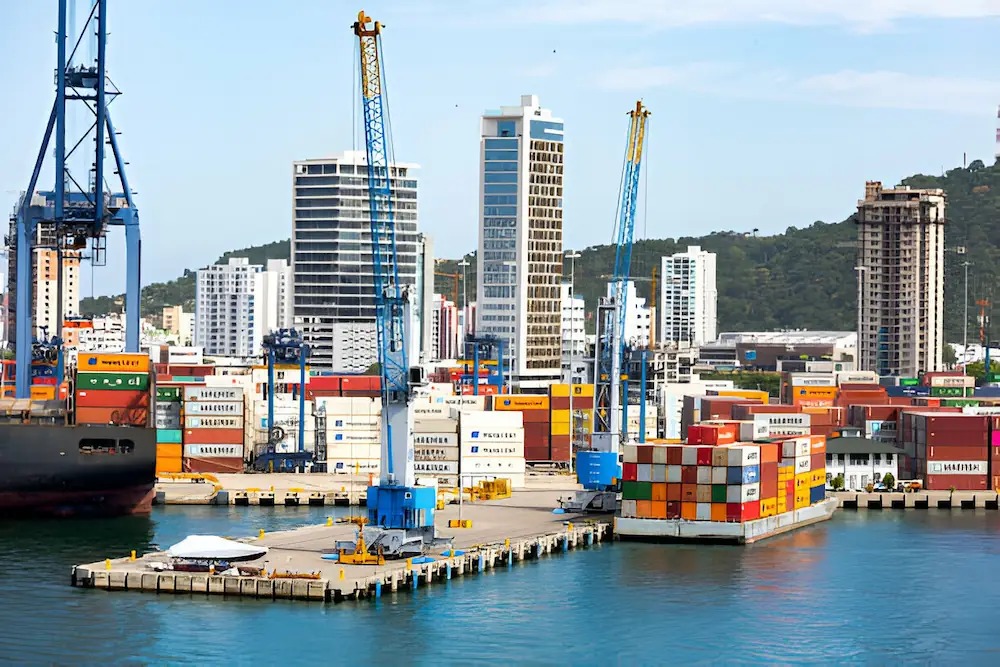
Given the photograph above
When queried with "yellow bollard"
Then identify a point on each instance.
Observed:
(107, 563)
(569, 526)
(506, 543)
(132, 555)
(272, 488)
(329, 520)
(341, 574)
(452, 553)
(260, 535)
(409, 564)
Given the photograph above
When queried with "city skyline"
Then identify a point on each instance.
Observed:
(756, 116)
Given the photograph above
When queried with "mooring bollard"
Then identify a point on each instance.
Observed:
(329, 521)
(107, 563)
(260, 534)
(341, 574)
(132, 555)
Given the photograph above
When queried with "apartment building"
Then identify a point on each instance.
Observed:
(574, 337)
(688, 297)
(900, 266)
(520, 239)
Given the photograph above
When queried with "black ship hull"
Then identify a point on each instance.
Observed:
(76, 470)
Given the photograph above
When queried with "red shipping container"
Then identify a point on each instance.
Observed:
(214, 436)
(122, 416)
(675, 455)
(629, 472)
(694, 435)
(559, 452)
(45, 381)
(741, 512)
(768, 471)
(689, 474)
(900, 401)
(957, 453)
(645, 453)
(745, 411)
(560, 441)
(689, 493)
(220, 464)
(535, 417)
(718, 434)
(721, 407)
(860, 386)
(111, 398)
(188, 370)
(704, 456)
(769, 488)
(673, 509)
(958, 482)
(817, 461)
(562, 403)
(537, 453)
(536, 430)
(325, 383)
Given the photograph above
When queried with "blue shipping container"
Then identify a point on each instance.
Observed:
(987, 392)
(751, 474)
(170, 436)
(896, 392)
(816, 494)
(597, 470)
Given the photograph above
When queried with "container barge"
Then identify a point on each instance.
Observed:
(732, 493)
(60, 459)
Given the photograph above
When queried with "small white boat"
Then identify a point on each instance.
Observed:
(210, 547)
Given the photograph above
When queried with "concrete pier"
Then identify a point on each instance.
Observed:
(921, 500)
(503, 532)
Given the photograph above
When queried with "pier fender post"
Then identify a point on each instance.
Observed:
(378, 589)
(589, 539)
(447, 570)
(414, 579)
(481, 562)
(429, 574)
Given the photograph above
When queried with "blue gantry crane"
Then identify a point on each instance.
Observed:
(599, 469)
(400, 514)
(286, 347)
(75, 215)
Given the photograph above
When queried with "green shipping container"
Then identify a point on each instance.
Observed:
(168, 436)
(959, 403)
(123, 381)
(187, 378)
(637, 491)
(168, 394)
(909, 382)
(942, 392)
(718, 493)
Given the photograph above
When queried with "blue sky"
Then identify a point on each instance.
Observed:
(766, 113)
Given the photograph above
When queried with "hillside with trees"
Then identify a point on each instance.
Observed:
(803, 278)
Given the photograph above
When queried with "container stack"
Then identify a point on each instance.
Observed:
(492, 447)
(213, 429)
(113, 388)
(947, 450)
(169, 429)
(535, 416)
(734, 483)
(567, 427)
(353, 433)
(435, 446)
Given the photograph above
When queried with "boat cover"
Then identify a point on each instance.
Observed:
(210, 547)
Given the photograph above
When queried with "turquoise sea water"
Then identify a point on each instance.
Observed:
(864, 588)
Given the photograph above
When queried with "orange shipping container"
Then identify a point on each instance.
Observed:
(164, 465)
(659, 509)
(111, 398)
(123, 416)
(660, 492)
(521, 403)
(719, 512)
(127, 362)
(644, 509)
(214, 436)
(168, 450)
(769, 452)
(689, 511)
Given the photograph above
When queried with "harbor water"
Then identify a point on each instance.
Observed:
(864, 588)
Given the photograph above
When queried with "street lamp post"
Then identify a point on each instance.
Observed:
(465, 302)
(572, 256)
(860, 270)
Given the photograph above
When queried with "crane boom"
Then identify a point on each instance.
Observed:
(611, 348)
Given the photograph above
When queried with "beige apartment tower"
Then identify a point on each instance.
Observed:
(900, 280)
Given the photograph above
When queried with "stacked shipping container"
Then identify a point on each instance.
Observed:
(213, 429)
(492, 446)
(353, 433)
(535, 416)
(564, 422)
(169, 429)
(947, 450)
(113, 389)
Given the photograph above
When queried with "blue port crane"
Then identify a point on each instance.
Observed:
(74, 214)
(286, 347)
(598, 469)
(400, 514)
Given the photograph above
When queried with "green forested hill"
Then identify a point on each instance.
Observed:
(803, 278)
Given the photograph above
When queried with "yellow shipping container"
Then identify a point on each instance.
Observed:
(560, 428)
(168, 465)
(816, 392)
(43, 392)
(583, 390)
(559, 390)
(801, 499)
(803, 481)
(118, 362)
(763, 396)
(559, 416)
(521, 403)
(818, 478)
(768, 507)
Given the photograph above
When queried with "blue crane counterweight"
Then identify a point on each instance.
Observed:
(81, 216)
(599, 469)
(401, 514)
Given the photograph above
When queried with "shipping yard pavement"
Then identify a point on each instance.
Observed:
(298, 488)
(502, 533)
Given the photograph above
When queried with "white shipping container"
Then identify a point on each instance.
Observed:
(812, 380)
(660, 455)
(230, 381)
(733, 493)
(434, 453)
(857, 377)
(352, 422)
(479, 448)
(498, 467)
(719, 474)
(751, 431)
(288, 422)
(431, 411)
(704, 512)
(442, 439)
(630, 453)
(743, 455)
(355, 437)
(225, 408)
(777, 420)
(704, 474)
(463, 402)
(435, 467)
(689, 456)
(673, 474)
(953, 381)
(435, 426)
(628, 508)
(349, 405)
(659, 473)
(226, 421)
(213, 451)
(749, 492)
(168, 422)
(167, 409)
(644, 472)
(956, 467)
(789, 430)
(357, 451)
(796, 447)
(512, 435)
(505, 420)
(202, 393)
(352, 466)
(281, 375)
(802, 464)
(720, 456)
